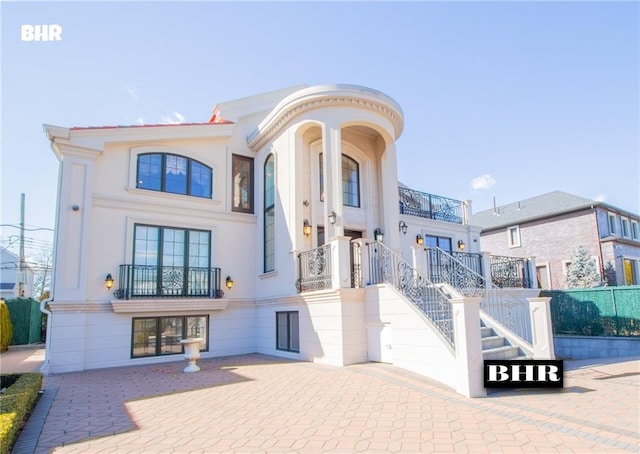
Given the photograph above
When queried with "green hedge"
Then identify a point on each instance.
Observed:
(16, 404)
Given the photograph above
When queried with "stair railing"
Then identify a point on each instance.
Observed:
(501, 305)
(388, 267)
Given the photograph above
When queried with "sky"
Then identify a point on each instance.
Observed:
(501, 100)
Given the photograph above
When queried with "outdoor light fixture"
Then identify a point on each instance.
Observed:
(229, 282)
(306, 227)
(419, 240)
(108, 282)
(461, 245)
(332, 217)
(403, 227)
(379, 236)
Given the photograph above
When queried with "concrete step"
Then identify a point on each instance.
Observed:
(492, 342)
(504, 352)
(485, 331)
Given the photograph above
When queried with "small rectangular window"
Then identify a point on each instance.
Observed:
(288, 331)
(156, 336)
(612, 225)
(625, 228)
(634, 230)
(514, 236)
(242, 184)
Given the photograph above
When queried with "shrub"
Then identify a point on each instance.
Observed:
(6, 328)
(16, 404)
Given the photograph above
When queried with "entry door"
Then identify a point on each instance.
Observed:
(353, 234)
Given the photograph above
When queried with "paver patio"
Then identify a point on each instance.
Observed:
(256, 403)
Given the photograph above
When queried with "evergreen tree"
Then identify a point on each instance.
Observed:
(582, 272)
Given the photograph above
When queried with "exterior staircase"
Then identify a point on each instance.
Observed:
(498, 347)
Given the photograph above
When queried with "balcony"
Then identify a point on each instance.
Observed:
(142, 281)
(430, 206)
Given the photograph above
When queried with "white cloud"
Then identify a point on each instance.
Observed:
(482, 182)
(175, 119)
(601, 197)
(140, 121)
(133, 92)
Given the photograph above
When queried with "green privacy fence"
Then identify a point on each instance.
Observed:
(26, 319)
(604, 311)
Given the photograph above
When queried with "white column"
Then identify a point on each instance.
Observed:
(332, 171)
(419, 258)
(486, 268)
(470, 364)
(340, 262)
(533, 272)
(541, 329)
(390, 198)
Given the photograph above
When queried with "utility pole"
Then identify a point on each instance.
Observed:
(23, 279)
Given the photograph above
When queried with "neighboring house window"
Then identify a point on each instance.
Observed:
(513, 234)
(634, 230)
(612, 225)
(156, 336)
(242, 189)
(441, 242)
(269, 215)
(625, 228)
(630, 271)
(172, 173)
(544, 278)
(350, 181)
(287, 331)
(170, 261)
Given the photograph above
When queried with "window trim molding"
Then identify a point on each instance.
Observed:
(252, 198)
(510, 242)
(136, 152)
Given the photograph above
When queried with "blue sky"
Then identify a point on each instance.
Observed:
(501, 99)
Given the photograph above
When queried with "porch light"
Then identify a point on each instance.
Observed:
(306, 228)
(332, 217)
(108, 282)
(419, 240)
(403, 227)
(461, 245)
(379, 236)
(229, 282)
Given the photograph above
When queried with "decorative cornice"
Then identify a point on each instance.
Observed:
(321, 97)
(61, 307)
(169, 305)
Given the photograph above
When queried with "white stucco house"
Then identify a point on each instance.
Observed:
(278, 227)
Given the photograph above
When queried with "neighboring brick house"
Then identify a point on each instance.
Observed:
(551, 226)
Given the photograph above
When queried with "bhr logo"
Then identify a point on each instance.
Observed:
(51, 32)
(523, 373)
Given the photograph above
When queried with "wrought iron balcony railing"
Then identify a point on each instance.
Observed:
(430, 206)
(314, 269)
(143, 281)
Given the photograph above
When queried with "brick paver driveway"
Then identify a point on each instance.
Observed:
(256, 403)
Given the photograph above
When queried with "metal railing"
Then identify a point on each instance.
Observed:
(512, 272)
(356, 265)
(449, 269)
(430, 206)
(388, 267)
(314, 269)
(509, 310)
(145, 281)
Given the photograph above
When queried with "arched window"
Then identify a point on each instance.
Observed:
(269, 214)
(350, 181)
(172, 173)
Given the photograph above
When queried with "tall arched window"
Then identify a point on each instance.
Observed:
(350, 181)
(269, 214)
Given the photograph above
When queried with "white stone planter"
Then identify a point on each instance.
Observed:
(191, 353)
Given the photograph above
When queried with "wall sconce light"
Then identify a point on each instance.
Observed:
(419, 240)
(403, 227)
(332, 217)
(379, 236)
(108, 282)
(461, 245)
(306, 227)
(229, 282)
